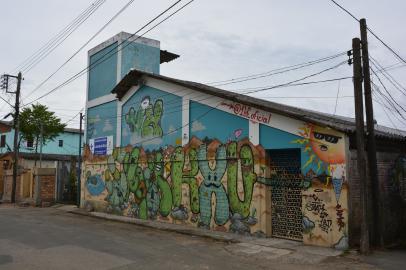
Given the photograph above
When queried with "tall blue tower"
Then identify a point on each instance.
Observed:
(109, 62)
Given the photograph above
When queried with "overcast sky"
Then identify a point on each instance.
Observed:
(216, 40)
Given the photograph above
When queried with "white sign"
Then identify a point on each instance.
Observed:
(101, 146)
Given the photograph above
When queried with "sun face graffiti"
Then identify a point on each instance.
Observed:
(327, 144)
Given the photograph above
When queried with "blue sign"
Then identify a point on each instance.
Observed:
(100, 146)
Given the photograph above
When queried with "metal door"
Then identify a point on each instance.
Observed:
(286, 193)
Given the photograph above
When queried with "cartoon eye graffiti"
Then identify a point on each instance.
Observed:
(145, 102)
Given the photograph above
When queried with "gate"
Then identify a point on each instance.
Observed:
(286, 193)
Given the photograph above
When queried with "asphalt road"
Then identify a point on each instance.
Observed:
(47, 238)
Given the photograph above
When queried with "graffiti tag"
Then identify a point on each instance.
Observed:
(248, 112)
(317, 207)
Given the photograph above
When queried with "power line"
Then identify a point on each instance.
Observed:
(386, 90)
(300, 79)
(275, 71)
(296, 84)
(345, 10)
(76, 115)
(91, 66)
(83, 46)
(370, 30)
(7, 101)
(376, 88)
(387, 46)
(47, 49)
(383, 106)
(389, 77)
(175, 108)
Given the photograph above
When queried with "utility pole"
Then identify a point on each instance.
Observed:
(5, 85)
(40, 146)
(359, 121)
(79, 161)
(377, 236)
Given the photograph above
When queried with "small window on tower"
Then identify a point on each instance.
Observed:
(60, 143)
(3, 141)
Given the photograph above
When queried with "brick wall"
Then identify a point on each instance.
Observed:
(394, 206)
(47, 188)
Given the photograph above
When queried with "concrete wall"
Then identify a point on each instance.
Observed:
(190, 158)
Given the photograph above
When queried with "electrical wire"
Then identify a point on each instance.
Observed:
(175, 108)
(45, 52)
(296, 84)
(388, 76)
(388, 100)
(383, 106)
(370, 31)
(300, 79)
(76, 115)
(275, 71)
(55, 37)
(386, 90)
(91, 66)
(7, 102)
(83, 46)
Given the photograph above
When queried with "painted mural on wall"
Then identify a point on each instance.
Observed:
(219, 180)
(145, 121)
(325, 188)
(211, 185)
(151, 119)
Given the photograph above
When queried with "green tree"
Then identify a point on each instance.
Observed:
(38, 119)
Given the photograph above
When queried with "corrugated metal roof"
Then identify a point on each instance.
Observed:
(341, 123)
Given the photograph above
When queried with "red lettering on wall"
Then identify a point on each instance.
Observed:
(246, 112)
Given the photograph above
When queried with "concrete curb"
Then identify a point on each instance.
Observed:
(178, 228)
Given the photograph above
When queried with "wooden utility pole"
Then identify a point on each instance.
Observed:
(5, 85)
(359, 121)
(78, 191)
(377, 236)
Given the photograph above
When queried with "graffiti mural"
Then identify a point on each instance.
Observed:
(197, 183)
(324, 186)
(221, 184)
(146, 120)
(94, 184)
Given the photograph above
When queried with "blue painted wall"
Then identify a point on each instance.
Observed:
(70, 144)
(102, 121)
(134, 114)
(139, 56)
(103, 75)
(272, 138)
(216, 124)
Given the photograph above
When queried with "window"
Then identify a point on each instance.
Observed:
(30, 144)
(3, 141)
(60, 143)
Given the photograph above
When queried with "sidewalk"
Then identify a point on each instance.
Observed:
(265, 248)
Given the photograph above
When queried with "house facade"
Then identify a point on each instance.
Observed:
(58, 160)
(182, 152)
(66, 143)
